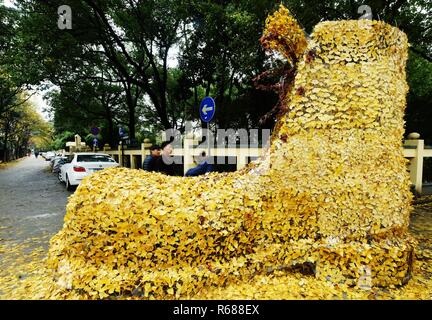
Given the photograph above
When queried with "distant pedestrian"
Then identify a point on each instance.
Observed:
(165, 163)
(149, 163)
(36, 154)
(203, 166)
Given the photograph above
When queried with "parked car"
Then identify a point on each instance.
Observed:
(80, 165)
(49, 155)
(57, 162)
(56, 157)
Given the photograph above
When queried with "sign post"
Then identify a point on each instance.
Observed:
(207, 112)
(95, 144)
(95, 131)
(123, 136)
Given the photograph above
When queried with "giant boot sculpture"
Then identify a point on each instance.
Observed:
(331, 194)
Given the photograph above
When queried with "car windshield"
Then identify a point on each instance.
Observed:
(94, 158)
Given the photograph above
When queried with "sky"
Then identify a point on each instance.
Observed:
(7, 3)
(40, 104)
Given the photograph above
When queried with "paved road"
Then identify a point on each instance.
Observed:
(427, 189)
(32, 201)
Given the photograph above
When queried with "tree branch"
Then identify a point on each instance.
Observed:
(421, 54)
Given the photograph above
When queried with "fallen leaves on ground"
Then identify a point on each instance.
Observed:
(24, 276)
(5, 165)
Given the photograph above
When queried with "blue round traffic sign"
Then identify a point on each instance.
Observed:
(207, 109)
(95, 131)
(122, 132)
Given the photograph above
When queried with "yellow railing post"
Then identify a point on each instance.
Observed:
(241, 159)
(416, 168)
(120, 155)
(133, 162)
(416, 160)
(188, 143)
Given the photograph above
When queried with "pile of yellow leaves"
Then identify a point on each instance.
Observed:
(331, 198)
(283, 34)
(23, 275)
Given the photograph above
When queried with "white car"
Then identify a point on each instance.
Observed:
(49, 155)
(80, 165)
(57, 162)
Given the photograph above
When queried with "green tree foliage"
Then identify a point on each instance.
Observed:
(221, 54)
(10, 84)
(113, 67)
(79, 107)
(61, 139)
(22, 128)
(419, 112)
(130, 40)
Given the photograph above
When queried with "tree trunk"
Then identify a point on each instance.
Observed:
(17, 150)
(111, 141)
(110, 121)
(5, 142)
(131, 108)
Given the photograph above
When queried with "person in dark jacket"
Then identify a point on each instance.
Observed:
(165, 163)
(149, 163)
(203, 167)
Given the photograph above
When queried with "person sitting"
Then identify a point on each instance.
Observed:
(149, 163)
(165, 163)
(203, 166)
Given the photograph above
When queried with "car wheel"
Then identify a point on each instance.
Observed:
(68, 185)
(59, 176)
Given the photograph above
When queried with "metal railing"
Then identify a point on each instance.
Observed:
(414, 150)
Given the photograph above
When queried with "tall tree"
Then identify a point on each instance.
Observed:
(126, 45)
(20, 127)
(131, 38)
(221, 54)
